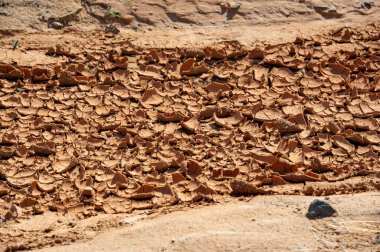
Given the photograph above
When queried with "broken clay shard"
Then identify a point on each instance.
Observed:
(240, 187)
(191, 67)
(268, 115)
(44, 148)
(62, 165)
(170, 117)
(192, 124)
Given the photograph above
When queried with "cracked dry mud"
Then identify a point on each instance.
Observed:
(113, 127)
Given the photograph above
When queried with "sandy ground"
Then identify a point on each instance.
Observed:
(293, 88)
(265, 223)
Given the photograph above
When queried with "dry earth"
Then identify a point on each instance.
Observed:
(188, 104)
(264, 223)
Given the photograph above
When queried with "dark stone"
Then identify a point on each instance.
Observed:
(367, 4)
(320, 209)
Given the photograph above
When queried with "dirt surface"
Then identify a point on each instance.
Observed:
(264, 223)
(171, 106)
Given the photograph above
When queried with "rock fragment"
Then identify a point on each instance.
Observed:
(320, 209)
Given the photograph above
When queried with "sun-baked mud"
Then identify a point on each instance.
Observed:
(118, 127)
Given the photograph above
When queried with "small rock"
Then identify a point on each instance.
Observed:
(327, 11)
(319, 209)
(235, 6)
(367, 4)
(56, 25)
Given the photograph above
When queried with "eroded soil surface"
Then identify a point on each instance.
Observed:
(94, 123)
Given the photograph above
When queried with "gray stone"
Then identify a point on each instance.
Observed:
(56, 25)
(367, 4)
(319, 209)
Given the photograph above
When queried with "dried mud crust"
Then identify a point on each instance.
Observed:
(116, 128)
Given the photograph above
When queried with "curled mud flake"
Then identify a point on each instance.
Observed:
(295, 64)
(266, 115)
(170, 117)
(298, 178)
(19, 182)
(230, 173)
(310, 82)
(42, 74)
(247, 81)
(64, 164)
(285, 126)
(202, 191)
(284, 73)
(336, 69)
(120, 91)
(4, 188)
(341, 142)
(160, 166)
(366, 123)
(215, 53)
(93, 100)
(208, 112)
(192, 124)
(45, 187)
(142, 205)
(120, 75)
(283, 166)
(151, 98)
(194, 53)
(191, 67)
(121, 62)
(193, 168)
(164, 191)
(318, 165)
(278, 180)
(28, 202)
(118, 180)
(218, 87)
(66, 80)
(27, 111)
(240, 187)
(292, 110)
(109, 126)
(177, 177)
(256, 53)
(10, 72)
(264, 157)
(7, 152)
(372, 137)
(146, 134)
(229, 122)
(44, 148)
(145, 191)
(45, 178)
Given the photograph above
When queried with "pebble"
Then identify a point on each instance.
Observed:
(319, 209)
(367, 4)
(235, 6)
(56, 25)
